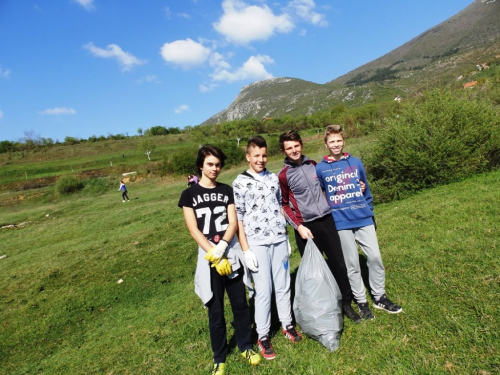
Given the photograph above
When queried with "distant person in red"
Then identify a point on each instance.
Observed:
(192, 180)
(123, 189)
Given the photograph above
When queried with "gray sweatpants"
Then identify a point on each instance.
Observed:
(274, 271)
(366, 238)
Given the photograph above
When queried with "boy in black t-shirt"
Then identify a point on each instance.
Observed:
(210, 216)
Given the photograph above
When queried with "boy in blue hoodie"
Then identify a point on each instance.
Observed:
(343, 178)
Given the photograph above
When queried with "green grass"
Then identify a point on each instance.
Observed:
(62, 310)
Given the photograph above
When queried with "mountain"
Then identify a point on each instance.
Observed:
(437, 56)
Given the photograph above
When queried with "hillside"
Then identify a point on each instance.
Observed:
(435, 57)
(459, 42)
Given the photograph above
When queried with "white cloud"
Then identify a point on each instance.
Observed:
(4, 73)
(1, 114)
(167, 12)
(207, 87)
(305, 10)
(182, 108)
(149, 79)
(217, 61)
(87, 4)
(185, 53)
(242, 23)
(252, 69)
(58, 111)
(126, 60)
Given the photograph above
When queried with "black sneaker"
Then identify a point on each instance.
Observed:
(291, 334)
(351, 314)
(384, 303)
(364, 311)
(266, 349)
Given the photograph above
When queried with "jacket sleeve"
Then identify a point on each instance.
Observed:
(320, 177)
(367, 193)
(239, 200)
(289, 214)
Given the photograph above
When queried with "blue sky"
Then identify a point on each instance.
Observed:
(97, 67)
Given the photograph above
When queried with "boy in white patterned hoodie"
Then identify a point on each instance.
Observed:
(263, 238)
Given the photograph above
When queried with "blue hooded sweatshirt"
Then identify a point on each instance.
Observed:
(340, 179)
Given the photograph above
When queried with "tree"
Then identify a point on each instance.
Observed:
(139, 131)
(147, 147)
(157, 130)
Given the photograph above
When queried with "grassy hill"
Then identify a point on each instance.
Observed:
(64, 311)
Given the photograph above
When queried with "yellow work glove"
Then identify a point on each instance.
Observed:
(215, 253)
(211, 257)
(223, 267)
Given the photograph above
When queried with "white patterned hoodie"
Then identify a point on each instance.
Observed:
(258, 206)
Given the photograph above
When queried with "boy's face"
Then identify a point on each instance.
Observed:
(292, 150)
(334, 144)
(211, 167)
(257, 159)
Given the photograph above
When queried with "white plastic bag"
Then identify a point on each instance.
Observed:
(318, 302)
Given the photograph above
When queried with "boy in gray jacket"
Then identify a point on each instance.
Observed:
(263, 238)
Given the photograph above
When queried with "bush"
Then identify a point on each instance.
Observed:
(97, 186)
(183, 161)
(442, 138)
(235, 154)
(68, 185)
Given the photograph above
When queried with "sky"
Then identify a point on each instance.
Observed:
(78, 68)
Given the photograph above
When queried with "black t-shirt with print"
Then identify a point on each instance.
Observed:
(210, 208)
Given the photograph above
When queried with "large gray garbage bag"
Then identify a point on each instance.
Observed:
(318, 303)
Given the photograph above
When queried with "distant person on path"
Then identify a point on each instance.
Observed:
(210, 216)
(263, 238)
(123, 189)
(306, 210)
(190, 181)
(343, 178)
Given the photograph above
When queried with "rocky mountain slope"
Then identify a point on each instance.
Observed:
(434, 57)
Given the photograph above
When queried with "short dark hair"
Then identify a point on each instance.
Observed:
(207, 150)
(256, 141)
(290, 135)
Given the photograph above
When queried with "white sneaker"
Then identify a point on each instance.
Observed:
(123, 201)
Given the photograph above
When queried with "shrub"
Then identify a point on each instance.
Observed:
(97, 186)
(183, 161)
(442, 138)
(68, 185)
(235, 155)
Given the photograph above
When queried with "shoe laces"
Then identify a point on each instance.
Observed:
(249, 353)
(291, 330)
(265, 342)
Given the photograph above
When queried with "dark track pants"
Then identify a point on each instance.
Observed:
(236, 292)
(326, 238)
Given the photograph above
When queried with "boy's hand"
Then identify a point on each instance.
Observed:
(363, 186)
(220, 248)
(251, 260)
(216, 252)
(223, 267)
(304, 232)
(211, 257)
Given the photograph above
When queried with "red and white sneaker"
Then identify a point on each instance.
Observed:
(291, 334)
(266, 349)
